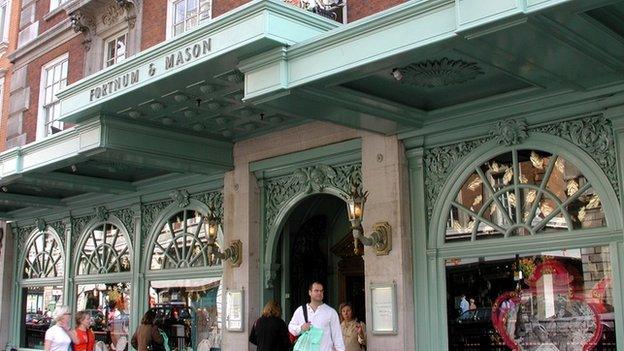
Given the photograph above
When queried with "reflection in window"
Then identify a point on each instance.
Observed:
(43, 257)
(109, 307)
(104, 251)
(188, 13)
(38, 304)
(182, 243)
(189, 311)
(557, 300)
(115, 49)
(523, 192)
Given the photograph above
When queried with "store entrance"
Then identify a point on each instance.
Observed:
(316, 245)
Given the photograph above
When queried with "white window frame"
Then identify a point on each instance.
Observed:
(54, 4)
(114, 38)
(171, 15)
(5, 19)
(41, 116)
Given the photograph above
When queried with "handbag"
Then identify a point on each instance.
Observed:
(309, 340)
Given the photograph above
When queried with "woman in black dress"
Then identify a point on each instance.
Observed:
(270, 332)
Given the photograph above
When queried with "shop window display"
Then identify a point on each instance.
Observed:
(38, 304)
(189, 311)
(523, 192)
(109, 307)
(549, 301)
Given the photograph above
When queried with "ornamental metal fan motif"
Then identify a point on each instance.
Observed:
(43, 257)
(105, 251)
(437, 73)
(523, 192)
(182, 243)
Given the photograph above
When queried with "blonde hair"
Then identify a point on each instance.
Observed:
(271, 309)
(59, 312)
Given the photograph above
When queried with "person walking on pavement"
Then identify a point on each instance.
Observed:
(269, 331)
(320, 316)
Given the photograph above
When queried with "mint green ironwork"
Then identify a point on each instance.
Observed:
(43, 258)
(107, 254)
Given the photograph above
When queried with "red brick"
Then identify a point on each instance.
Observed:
(357, 9)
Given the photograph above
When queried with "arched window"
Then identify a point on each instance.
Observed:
(184, 278)
(44, 257)
(528, 251)
(104, 251)
(41, 285)
(523, 192)
(103, 280)
(182, 243)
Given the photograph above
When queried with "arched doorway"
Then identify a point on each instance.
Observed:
(315, 244)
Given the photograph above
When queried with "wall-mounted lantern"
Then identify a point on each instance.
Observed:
(380, 238)
(234, 253)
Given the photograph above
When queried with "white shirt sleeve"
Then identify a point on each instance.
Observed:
(336, 332)
(294, 327)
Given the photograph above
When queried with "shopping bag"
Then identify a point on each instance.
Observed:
(309, 340)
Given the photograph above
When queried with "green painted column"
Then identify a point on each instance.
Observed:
(138, 306)
(68, 276)
(422, 320)
(616, 116)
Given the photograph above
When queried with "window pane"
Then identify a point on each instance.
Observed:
(109, 307)
(44, 258)
(556, 300)
(179, 12)
(182, 243)
(548, 194)
(38, 304)
(189, 311)
(105, 251)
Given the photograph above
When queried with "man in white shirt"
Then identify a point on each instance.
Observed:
(320, 316)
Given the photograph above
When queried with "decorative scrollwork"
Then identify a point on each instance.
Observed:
(437, 73)
(81, 22)
(101, 213)
(313, 179)
(510, 132)
(593, 134)
(126, 215)
(180, 197)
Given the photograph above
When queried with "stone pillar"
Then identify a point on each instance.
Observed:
(385, 176)
(241, 221)
(7, 264)
(19, 98)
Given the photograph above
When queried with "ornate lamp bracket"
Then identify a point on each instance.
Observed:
(380, 238)
(234, 253)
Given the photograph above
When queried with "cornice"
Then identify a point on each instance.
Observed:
(228, 19)
(43, 43)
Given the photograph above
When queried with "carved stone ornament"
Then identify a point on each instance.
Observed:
(437, 73)
(180, 197)
(131, 9)
(593, 134)
(41, 224)
(270, 274)
(113, 13)
(307, 180)
(83, 23)
(101, 214)
(510, 132)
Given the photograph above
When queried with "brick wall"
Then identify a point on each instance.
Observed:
(154, 26)
(220, 7)
(76, 59)
(357, 9)
(43, 8)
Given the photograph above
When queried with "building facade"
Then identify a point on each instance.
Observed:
(197, 157)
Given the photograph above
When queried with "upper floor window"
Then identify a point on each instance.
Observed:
(115, 49)
(53, 79)
(4, 21)
(56, 3)
(187, 14)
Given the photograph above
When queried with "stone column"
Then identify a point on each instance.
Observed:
(385, 176)
(7, 264)
(241, 221)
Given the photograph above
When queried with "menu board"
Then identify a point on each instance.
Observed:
(234, 310)
(383, 306)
